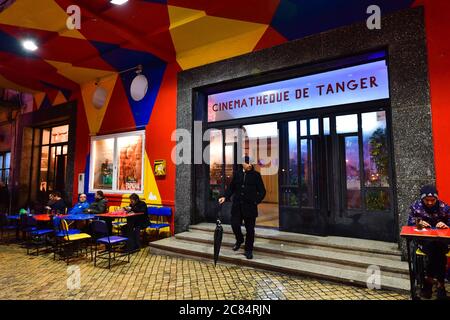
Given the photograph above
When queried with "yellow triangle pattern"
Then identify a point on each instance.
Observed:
(221, 38)
(38, 98)
(79, 75)
(60, 98)
(43, 15)
(179, 16)
(151, 192)
(94, 115)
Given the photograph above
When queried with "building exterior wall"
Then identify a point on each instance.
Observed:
(403, 36)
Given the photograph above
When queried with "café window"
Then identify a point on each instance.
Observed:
(117, 163)
(53, 158)
(5, 163)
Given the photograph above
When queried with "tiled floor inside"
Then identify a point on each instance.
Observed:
(151, 276)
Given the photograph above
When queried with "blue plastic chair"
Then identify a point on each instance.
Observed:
(60, 234)
(160, 213)
(36, 238)
(111, 243)
(6, 226)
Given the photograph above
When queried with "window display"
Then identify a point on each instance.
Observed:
(117, 163)
(130, 163)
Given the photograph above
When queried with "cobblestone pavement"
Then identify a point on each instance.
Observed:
(161, 277)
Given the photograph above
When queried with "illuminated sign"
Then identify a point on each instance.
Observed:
(360, 83)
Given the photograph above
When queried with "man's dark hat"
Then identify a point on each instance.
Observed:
(428, 191)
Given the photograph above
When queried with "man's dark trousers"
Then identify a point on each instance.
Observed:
(249, 222)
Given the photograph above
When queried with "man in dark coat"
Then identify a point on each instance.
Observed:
(138, 223)
(100, 205)
(431, 212)
(247, 189)
(139, 206)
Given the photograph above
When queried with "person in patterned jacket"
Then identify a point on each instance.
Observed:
(430, 212)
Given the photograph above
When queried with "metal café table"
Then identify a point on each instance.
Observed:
(133, 241)
(411, 233)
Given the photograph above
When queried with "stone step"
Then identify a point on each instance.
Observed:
(277, 263)
(359, 246)
(316, 254)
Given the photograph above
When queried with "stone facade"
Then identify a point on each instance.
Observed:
(402, 34)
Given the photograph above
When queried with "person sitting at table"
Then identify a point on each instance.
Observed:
(81, 205)
(140, 222)
(431, 212)
(100, 204)
(58, 205)
(138, 206)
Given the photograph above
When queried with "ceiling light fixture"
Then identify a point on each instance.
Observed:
(29, 45)
(139, 85)
(99, 96)
(119, 2)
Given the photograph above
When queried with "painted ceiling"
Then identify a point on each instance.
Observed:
(153, 33)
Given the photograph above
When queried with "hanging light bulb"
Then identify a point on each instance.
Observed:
(139, 85)
(99, 96)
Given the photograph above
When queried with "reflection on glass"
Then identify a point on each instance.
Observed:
(303, 128)
(306, 183)
(1, 162)
(377, 200)
(51, 169)
(43, 169)
(289, 197)
(7, 159)
(375, 149)
(229, 161)
(60, 134)
(6, 176)
(46, 136)
(103, 154)
(326, 126)
(314, 127)
(231, 135)
(215, 157)
(129, 173)
(352, 172)
(347, 123)
(292, 174)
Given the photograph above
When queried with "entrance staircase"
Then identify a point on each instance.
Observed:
(338, 259)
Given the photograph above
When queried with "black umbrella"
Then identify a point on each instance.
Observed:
(218, 233)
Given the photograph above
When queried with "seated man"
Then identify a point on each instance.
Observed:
(430, 212)
(135, 225)
(139, 206)
(58, 205)
(80, 206)
(99, 205)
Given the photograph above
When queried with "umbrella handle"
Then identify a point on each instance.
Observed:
(219, 213)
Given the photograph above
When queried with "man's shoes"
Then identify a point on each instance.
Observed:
(427, 290)
(237, 246)
(248, 254)
(441, 294)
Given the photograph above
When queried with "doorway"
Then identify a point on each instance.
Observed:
(259, 141)
(53, 160)
(336, 176)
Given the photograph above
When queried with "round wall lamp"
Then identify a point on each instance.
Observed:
(99, 96)
(139, 85)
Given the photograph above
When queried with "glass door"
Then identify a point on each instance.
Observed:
(299, 178)
(363, 169)
(335, 176)
(53, 161)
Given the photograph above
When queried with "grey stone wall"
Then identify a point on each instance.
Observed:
(401, 33)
